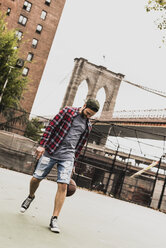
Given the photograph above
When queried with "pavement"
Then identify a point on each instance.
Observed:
(87, 219)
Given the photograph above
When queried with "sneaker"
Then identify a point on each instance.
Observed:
(25, 205)
(54, 225)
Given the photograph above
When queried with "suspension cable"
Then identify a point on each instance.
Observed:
(157, 92)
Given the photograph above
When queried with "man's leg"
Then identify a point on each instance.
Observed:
(59, 198)
(34, 184)
(42, 169)
(64, 175)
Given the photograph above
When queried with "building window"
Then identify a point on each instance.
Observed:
(30, 57)
(34, 43)
(43, 15)
(20, 63)
(27, 6)
(25, 71)
(39, 28)
(8, 11)
(47, 2)
(22, 20)
(19, 34)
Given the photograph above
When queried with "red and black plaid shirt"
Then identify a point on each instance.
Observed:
(59, 127)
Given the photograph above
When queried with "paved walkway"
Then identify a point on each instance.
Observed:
(87, 219)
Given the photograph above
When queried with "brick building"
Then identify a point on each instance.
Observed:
(36, 22)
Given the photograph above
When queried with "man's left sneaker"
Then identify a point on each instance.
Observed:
(25, 205)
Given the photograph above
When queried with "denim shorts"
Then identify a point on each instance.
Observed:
(45, 165)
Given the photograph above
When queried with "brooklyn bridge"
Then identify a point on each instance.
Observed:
(105, 162)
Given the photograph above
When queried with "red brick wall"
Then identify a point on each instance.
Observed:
(45, 39)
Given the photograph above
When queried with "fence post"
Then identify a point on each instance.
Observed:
(124, 174)
(162, 193)
(111, 170)
(154, 184)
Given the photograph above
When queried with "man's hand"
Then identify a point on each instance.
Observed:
(39, 152)
(73, 171)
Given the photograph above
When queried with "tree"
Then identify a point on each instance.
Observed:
(8, 59)
(160, 7)
(33, 129)
(9, 72)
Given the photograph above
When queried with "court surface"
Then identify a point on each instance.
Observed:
(87, 219)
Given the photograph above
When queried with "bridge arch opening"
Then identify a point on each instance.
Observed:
(81, 94)
(101, 97)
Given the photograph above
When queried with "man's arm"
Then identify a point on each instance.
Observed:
(79, 148)
(82, 142)
(48, 131)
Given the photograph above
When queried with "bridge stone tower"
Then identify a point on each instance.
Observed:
(97, 77)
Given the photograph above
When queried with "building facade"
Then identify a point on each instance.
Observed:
(36, 22)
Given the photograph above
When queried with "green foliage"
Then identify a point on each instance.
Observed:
(159, 6)
(8, 58)
(11, 117)
(33, 129)
(10, 107)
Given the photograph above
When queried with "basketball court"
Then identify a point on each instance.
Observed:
(87, 219)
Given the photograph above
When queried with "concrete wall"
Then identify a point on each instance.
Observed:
(17, 153)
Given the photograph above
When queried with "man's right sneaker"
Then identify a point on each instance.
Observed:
(25, 205)
(54, 225)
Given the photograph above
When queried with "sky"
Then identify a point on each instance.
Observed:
(119, 35)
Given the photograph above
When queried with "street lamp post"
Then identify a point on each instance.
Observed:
(4, 86)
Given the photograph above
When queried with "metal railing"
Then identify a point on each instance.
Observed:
(149, 113)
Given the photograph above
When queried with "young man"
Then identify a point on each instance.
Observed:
(61, 144)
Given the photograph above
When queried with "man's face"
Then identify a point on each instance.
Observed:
(87, 113)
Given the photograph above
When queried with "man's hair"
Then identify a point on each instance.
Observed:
(93, 104)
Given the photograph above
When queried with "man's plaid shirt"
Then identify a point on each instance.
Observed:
(59, 127)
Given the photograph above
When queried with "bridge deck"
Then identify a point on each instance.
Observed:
(102, 151)
(132, 128)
